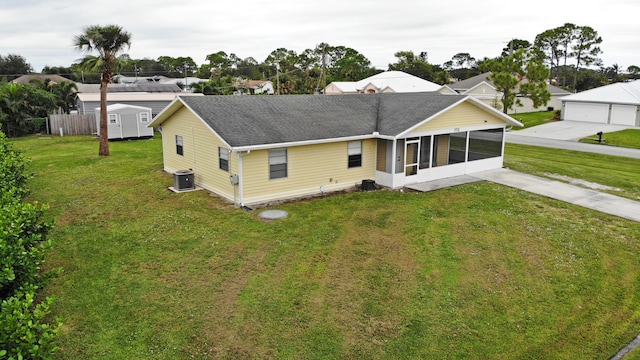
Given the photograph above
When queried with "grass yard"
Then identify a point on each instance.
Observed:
(629, 138)
(533, 118)
(617, 172)
(479, 271)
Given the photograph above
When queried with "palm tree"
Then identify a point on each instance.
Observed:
(66, 93)
(108, 41)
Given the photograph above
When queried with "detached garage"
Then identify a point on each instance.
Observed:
(615, 104)
(126, 121)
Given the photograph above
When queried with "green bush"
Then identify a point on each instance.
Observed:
(22, 244)
(24, 331)
(13, 175)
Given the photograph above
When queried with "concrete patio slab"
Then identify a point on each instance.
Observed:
(443, 183)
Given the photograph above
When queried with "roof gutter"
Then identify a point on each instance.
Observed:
(303, 143)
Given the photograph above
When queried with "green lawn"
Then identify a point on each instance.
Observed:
(625, 138)
(617, 172)
(479, 271)
(533, 118)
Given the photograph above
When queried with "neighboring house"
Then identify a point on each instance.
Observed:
(26, 79)
(142, 88)
(384, 82)
(254, 87)
(256, 149)
(126, 121)
(615, 104)
(89, 101)
(186, 82)
(483, 89)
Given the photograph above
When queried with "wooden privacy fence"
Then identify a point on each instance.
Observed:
(72, 124)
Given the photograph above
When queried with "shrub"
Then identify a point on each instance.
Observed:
(13, 175)
(22, 244)
(24, 332)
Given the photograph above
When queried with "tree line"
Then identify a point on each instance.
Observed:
(25, 107)
(569, 51)
(566, 56)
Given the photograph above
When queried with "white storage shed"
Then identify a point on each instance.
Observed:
(126, 121)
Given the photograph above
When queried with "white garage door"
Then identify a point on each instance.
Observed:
(623, 115)
(588, 112)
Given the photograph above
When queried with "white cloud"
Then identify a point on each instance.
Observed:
(42, 31)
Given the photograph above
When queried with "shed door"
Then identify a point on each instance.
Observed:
(623, 115)
(587, 112)
(129, 124)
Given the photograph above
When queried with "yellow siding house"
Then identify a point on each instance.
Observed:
(252, 150)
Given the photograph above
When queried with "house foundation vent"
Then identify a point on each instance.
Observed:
(183, 180)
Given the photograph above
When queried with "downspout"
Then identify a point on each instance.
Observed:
(504, 137)
(240, 180)
(193, 142)
(241, 176)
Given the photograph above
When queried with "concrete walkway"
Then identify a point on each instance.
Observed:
(591, 199)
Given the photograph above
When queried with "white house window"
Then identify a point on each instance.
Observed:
(223, 158)
(354, 152)
(179, 145)
(113, 118)
(277, 163)
(144, 117)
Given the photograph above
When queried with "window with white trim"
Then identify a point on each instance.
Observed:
(179, 145)
(223, 158)
(277, 163)
(113, 118)
(144, 117)
(354, 152)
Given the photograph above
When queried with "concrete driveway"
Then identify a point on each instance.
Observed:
(561, 135)
(576, 195)
(567, 130)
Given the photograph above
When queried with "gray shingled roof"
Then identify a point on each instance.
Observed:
(467, 84)
(259, 120)
(144, 87)
(399, 112)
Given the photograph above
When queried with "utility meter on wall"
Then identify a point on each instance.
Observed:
(234, 179)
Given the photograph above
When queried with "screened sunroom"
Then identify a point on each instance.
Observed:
(438, 155)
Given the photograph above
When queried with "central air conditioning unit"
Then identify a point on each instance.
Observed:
(183, 180)
(368, 185)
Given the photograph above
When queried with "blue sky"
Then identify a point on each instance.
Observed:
(42, 30)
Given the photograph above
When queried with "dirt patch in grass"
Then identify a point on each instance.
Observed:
(580, 182)
(219, 334)
(369, 272)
